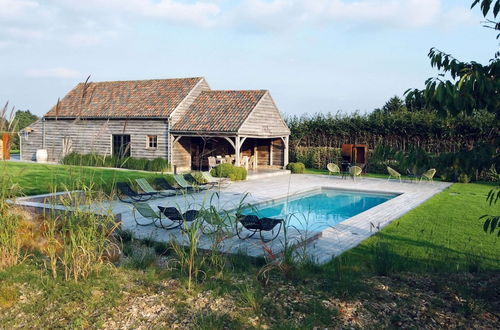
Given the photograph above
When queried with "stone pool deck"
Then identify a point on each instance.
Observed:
(323, 246)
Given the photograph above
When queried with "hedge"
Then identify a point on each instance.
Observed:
(92, 159)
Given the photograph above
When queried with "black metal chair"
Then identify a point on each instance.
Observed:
(154, 218)
(125, 189)
(254, 224)
(173, 214)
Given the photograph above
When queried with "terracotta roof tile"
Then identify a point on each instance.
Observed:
(137, 98)
(219, 111)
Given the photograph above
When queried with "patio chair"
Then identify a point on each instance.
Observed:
(254, 224)
(429, 175)
(355, 171)
(393, 173)
(125, 189)
(333, 168)
(153, 217)
(211, 163)
(146, 187)
(179, 179)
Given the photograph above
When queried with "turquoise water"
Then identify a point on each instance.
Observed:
(320, 210)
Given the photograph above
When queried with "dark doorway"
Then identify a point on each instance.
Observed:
(121, 146)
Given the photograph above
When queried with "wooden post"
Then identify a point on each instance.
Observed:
(285, 156)
(237, 148)
(271, 153)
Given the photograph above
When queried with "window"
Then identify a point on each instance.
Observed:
(121, 146)
(152, 142)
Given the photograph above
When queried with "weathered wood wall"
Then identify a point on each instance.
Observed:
(181, 154)
(278, 152)
(264, 120)
(95, 136)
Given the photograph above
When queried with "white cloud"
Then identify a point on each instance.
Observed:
(87, 39)
(11, 9)
(58, 72)
(400, 13)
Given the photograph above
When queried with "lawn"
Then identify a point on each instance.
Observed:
(443, 234)
(44, 178)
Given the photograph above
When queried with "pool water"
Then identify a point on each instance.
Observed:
(319, 210)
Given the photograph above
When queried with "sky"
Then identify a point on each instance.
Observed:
(313, 55)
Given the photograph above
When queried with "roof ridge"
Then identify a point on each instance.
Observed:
(236, 90)
(136, 80)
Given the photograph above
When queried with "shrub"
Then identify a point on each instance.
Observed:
(296, 167)
(198, 177)
(463, 178)
(158, 165)
(92, 159)
(227, 170)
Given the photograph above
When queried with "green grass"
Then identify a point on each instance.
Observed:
(44, 178)
(443, 234)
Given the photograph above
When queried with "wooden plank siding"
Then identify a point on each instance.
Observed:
(278, 152)
(95, 136)
(181, 154)
(264, 120)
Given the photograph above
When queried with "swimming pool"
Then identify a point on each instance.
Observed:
(320, 209)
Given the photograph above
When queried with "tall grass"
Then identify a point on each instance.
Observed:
(80, 240)
(11, 241)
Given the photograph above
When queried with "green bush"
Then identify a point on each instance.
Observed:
(296, 167)
(135, 163)
(158, 165)
(92, 159)
(463, 178)
(227, 170)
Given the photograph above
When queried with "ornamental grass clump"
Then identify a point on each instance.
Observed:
(80, 239)
(11, 227)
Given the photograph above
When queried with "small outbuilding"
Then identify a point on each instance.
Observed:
(181, 120)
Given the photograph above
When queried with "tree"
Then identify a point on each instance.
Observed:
(21, 120)
(473, 86)
(395, 104)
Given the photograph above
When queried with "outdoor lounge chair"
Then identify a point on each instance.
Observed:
(125, 189)
(393, 173)
(255, 224)
(210, 179)
(146, 187)
(155, 218)
(173, 214)
(179, 179)
(164, 184)
(428, 175)
(203, 182)
(333, 168)
(355, 171)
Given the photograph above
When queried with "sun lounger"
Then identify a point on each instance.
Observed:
(125, 189)
(146, 187)
(154, 218)
(179, 179)
(254, 224)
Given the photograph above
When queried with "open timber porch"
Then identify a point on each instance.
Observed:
(262, 154)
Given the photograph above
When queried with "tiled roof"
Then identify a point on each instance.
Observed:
(219, 111)
(112, 99)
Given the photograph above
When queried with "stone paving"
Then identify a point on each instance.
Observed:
(322, 246)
